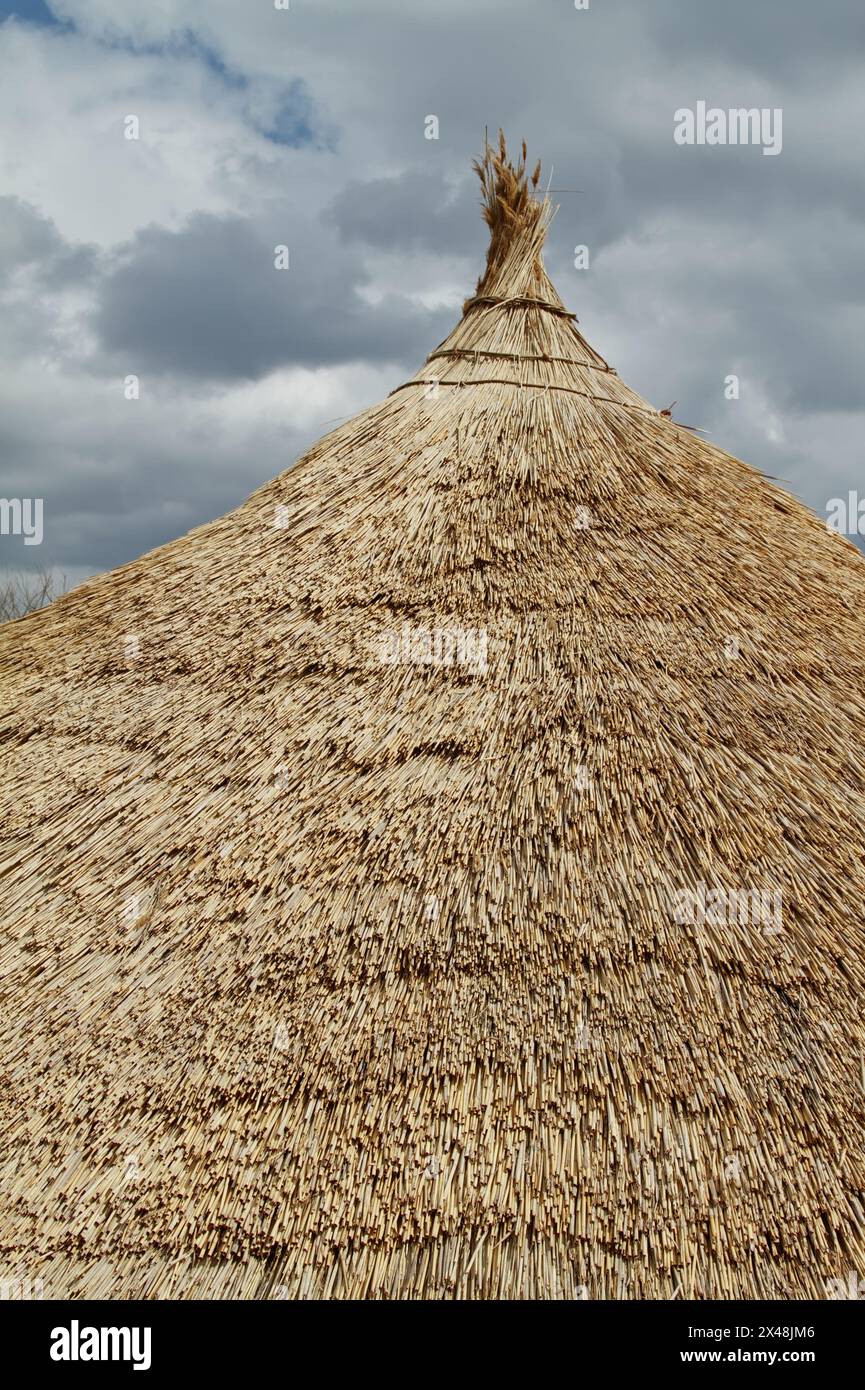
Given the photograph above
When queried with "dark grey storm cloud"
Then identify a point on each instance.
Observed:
(764, 38)
(209, 301)
(28, 239)
(408, 211)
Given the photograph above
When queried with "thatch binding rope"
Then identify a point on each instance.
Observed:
(476, 354)
(528, 385)
(517, 301)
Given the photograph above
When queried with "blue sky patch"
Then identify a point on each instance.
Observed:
(33, 11)
(293, 122)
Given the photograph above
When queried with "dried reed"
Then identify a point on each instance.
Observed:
(330, 975)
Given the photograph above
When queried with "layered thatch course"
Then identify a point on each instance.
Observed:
(344, 837)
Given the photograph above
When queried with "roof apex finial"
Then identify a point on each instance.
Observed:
(510, 208)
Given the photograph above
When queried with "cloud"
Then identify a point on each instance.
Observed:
(27, 239)
(208, 301)
(411, 210)
(62, 434)
(306, 127)
(763, 38)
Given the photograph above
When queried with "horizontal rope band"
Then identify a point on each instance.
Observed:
(527, 385)
(525, 300)
(521, 357)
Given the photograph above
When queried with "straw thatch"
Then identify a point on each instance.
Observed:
(343, 835)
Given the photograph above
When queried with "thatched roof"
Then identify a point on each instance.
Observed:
(346, 839)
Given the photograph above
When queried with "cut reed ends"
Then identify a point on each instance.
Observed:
(339, 953)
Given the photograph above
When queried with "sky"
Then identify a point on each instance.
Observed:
(306, 127)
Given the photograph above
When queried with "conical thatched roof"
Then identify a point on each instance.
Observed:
(347, 842)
